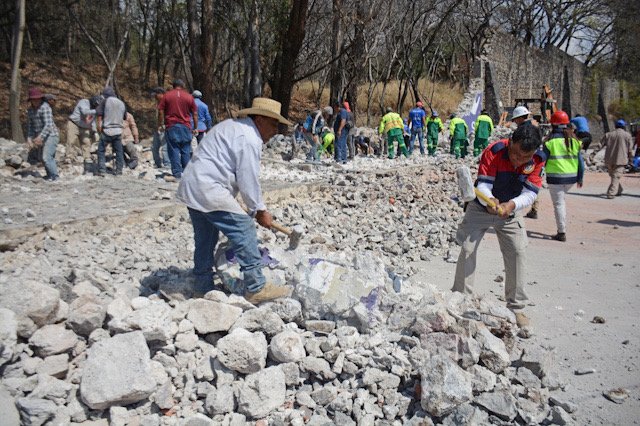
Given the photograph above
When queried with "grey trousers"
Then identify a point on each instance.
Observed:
(558, 193)
(512, 238)
(615, 172)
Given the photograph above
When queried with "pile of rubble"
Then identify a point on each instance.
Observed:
(100, 323)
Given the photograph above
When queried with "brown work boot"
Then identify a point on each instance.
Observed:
(268, 292)
(533, 214)
(522, 320)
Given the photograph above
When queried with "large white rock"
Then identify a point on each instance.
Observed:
(117, 372)
(243, 351)
(36, 411)
(494, 353)
(154, 320)
(30, 310)
(85, 315)
(209, 317)
(8, 334)
(262, 392)
(260, 319)
(9, 415)
(53, 339)
(444, 386)
(287, 347)
(341, 287)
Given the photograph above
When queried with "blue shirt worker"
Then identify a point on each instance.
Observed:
(509, 175)
(205, 121)
(227, 163)
(581, 125)
(341, 131)
(434, 127)
(417, 117)
(564, 167)
(483, 127)
(42, 132)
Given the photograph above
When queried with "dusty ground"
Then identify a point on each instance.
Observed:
(595, 273)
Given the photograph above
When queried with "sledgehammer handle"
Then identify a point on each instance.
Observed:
(487, 200)
(278, 227)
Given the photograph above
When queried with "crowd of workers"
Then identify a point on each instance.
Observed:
(227, 163)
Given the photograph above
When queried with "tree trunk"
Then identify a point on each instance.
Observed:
(285, 62)
(16, 53)
(335, 81)
(252, 69)
(208, 47)
(195, 53)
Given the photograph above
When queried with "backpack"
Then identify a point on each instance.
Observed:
(308, 123)
(350, 123)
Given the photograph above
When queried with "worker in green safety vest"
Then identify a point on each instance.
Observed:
(393, 126)
(458, 131)
(483, 127)
(434, 127)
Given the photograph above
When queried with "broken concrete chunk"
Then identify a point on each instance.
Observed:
(8, 335)
(243, 351)
(500, 402)
(262, 392)
(210, 317)
(287, 347)
(117, 372)
(444, 386)
(53, 339)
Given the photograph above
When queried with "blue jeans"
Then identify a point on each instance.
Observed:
(418, 133)
(159, 150)
(341, 146)
(49, 155)
(178, 139)
(116, 145)
(241, 232)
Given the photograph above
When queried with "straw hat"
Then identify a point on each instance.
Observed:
(265, 107)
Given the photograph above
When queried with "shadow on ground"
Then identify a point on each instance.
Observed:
(625, 223)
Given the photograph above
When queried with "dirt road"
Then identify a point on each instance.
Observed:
(594, 273)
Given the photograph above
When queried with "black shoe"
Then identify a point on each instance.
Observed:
(560, 236)
(99, 174)
(118, 173)
(533, 214)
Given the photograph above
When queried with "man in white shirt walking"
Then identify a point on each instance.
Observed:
(227, 162)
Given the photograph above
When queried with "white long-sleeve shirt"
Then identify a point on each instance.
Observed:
(226, 162)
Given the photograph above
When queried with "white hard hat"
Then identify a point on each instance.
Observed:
(519, 112)
(197, 94)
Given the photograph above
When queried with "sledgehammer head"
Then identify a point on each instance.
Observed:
(295, 236)
(465, 183)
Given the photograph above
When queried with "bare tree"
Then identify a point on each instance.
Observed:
(16, 54)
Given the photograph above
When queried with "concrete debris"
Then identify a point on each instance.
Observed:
(119, 333)
(117, 371)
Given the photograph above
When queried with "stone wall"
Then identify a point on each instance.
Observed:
(513, 70)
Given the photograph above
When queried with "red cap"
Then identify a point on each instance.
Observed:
(35, 93)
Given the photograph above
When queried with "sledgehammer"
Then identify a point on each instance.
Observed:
(294, 234)
(468, 191)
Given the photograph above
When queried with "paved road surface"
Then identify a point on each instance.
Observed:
(595, 273)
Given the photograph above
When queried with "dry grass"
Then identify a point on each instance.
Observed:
(446, 97)
(70, 82)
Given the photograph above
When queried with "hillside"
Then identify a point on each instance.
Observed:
(70, 82)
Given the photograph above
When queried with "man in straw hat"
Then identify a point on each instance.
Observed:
(227, 162)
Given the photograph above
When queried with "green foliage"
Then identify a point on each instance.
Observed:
(628, 108)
